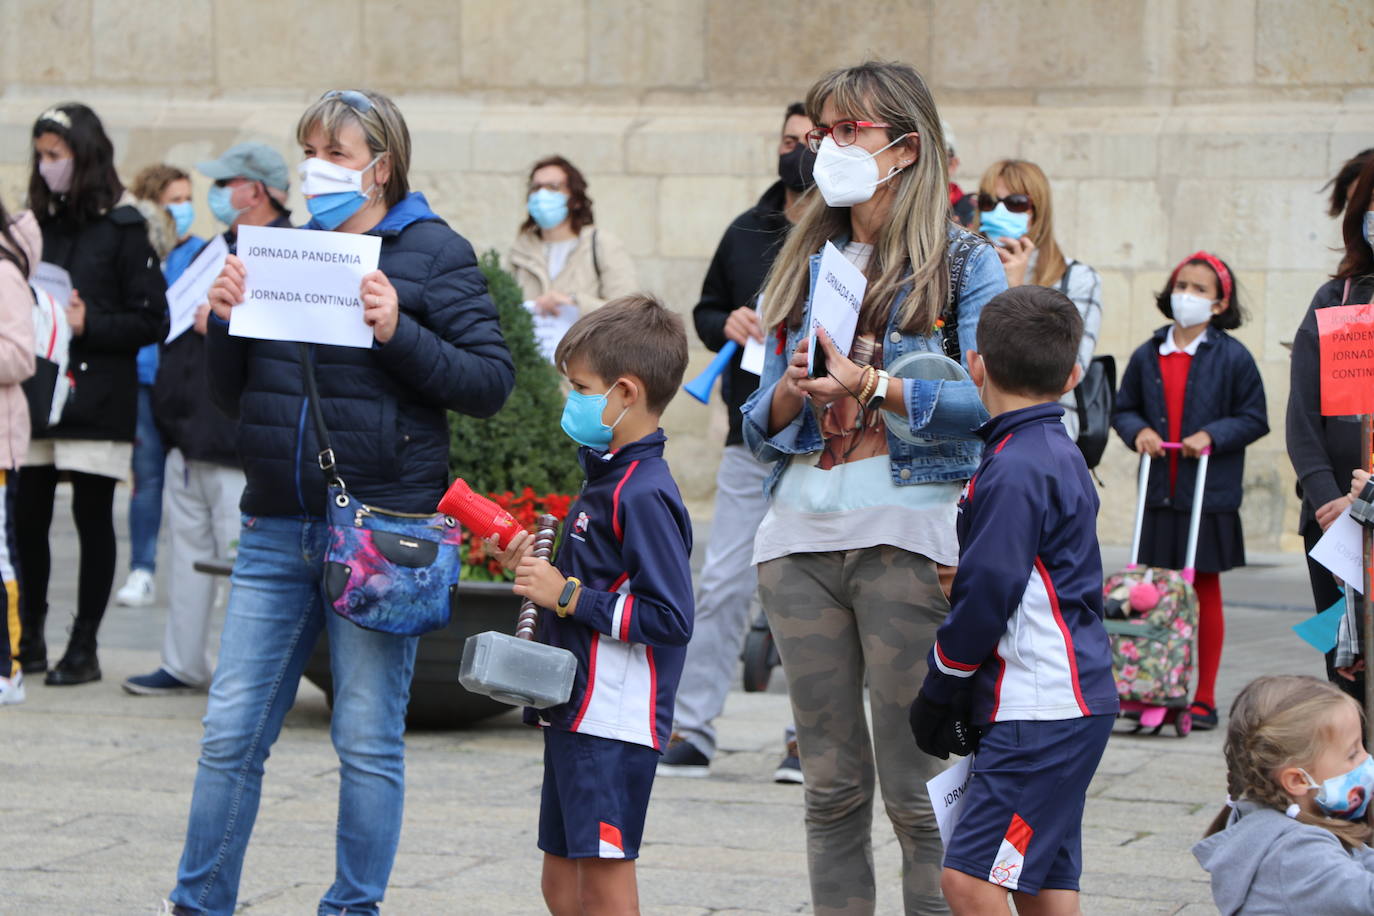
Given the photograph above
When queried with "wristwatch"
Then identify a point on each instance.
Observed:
(876, 399)
(565, 597)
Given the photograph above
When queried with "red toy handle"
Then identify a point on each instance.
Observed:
(478, 514)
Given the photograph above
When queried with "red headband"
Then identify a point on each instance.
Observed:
(1211, 261)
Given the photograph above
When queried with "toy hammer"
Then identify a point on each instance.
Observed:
(512, 669)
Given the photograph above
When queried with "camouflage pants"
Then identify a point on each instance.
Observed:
(836, 617)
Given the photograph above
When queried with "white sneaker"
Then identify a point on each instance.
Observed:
(138, 590)
(12, 690)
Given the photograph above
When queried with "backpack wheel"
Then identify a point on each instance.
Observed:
(1183, 723)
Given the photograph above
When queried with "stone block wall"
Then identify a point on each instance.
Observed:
(1164, 125)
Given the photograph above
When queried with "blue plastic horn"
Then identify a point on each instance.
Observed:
(700, 387)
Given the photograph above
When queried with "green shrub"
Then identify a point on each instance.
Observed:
(523, 444)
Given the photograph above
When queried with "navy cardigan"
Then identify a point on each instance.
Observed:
(1225, 397)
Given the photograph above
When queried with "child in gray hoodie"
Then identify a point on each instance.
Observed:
(1294, 837)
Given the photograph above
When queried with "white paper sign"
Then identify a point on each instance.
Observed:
(549, 329)
(304, 284)
(752, 358)
(947, 793)
(835, 302)
(190, 289)
(1341, 551)
(55, 281)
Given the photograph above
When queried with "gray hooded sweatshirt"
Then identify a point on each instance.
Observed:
(1268, 864)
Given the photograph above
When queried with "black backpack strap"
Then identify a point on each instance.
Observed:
(960, 253)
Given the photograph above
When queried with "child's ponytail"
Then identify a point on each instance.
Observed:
(1279, 721)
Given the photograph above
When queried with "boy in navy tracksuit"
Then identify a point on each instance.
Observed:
(618, 595)
(1021, 669)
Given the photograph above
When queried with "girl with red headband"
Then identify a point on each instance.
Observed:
(1193, 383)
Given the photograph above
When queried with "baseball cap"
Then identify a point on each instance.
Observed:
(255, 161)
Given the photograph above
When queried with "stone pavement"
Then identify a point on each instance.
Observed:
(94, 788)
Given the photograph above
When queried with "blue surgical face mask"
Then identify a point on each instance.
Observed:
(1369, 228)
(333, 210)
(333, 192)
(582, 421)
(999, 222)
(547, 208)
(1346, 795)
(221, 204)
(183, 214)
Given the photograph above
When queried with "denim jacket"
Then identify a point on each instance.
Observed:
(944, 413)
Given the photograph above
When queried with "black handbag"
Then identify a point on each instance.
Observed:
(395, 572)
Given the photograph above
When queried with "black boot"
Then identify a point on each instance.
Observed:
(79, 664)
(33, 648)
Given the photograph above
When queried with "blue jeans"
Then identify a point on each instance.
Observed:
(274, 617)
(145, 504)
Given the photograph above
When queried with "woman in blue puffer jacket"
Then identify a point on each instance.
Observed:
(437, 347)
(862, 517)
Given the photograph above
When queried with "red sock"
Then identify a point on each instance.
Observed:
(1211, 632)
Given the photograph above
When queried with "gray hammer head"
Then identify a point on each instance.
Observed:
(517, 671)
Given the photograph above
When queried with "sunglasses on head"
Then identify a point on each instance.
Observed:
(350, 97)
(1016, 203)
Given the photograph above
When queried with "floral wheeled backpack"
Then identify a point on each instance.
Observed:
(1152, 640)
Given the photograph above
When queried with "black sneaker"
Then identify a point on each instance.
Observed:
(1204, 717)
(789, 770)
(683, 759)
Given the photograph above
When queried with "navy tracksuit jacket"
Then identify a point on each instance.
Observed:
(628, 538)
(1025, 627)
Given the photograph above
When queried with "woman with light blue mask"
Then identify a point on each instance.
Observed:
(436, 347)
(1016, 213)
(564, 263)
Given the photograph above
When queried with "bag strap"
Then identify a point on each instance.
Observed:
(312, 396)
(1064, 280)
(958, 261)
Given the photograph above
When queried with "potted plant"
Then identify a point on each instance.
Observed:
(522, 460)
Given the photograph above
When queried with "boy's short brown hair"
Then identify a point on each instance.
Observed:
(1028, 338)
(634, 335)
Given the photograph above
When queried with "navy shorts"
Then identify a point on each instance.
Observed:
(1022, 823)
(596, 793)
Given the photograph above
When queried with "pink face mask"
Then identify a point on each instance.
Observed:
(57, 174)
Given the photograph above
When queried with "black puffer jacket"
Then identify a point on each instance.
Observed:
(384, 406)
(113, 267)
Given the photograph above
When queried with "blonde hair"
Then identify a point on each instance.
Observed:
(1022, 177)
(1282, 721)
(150, 183)
(382, 126)
(912, 246)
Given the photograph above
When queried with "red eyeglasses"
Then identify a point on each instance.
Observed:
(845, 133)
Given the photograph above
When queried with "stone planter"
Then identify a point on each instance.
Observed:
(437, 700)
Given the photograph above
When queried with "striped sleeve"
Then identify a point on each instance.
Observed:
(651, 602)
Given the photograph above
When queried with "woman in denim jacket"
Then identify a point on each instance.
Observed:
(861, 519)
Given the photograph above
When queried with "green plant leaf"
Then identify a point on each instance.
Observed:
(523, 444)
